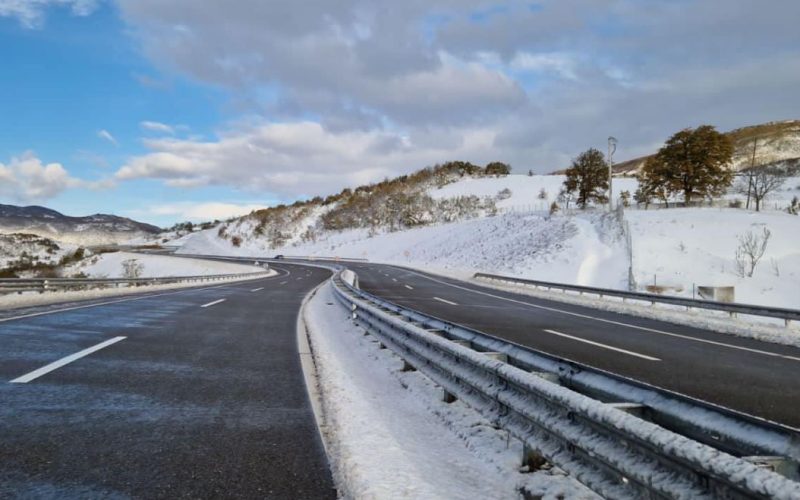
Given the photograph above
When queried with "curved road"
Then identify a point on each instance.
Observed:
(195, 393)
(759, 378)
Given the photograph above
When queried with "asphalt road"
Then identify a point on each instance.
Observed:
(750, 376)
(196, 393)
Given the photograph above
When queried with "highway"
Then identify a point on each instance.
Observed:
(193, 393)
(751, 376)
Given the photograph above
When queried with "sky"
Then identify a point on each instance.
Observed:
(172, 110)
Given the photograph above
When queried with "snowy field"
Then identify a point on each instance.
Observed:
(676, 247)
(109, 265)
(389, 435)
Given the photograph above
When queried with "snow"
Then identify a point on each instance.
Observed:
(109, 265)
(389, 435)
(679, 246)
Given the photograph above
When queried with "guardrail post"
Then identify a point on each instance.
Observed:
(532, 460)
(408, 367)
(44, 286)
(448, 397)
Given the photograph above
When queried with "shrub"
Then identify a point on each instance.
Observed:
(236, 241)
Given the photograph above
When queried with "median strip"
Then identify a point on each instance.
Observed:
(213, 303)
(604, 346)
(63, 361)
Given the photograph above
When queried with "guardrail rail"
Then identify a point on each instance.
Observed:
(787, 315)
(20, 285)
(628, 439)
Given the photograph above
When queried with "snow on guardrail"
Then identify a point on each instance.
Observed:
(613, 452)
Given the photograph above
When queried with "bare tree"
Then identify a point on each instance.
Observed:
(132, 269)
(750, 250)
(760, 183)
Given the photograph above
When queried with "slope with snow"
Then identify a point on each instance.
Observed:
(109, 265)
(680, 247)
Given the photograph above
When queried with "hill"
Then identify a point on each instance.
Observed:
(97, 229)
(458, 224)
(778, 143)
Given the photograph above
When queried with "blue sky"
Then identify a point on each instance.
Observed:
(79, 75)
(189, 109)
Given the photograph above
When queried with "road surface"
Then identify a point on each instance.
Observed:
(750, 376)
(196, 393)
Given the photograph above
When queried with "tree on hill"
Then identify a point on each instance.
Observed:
(760, 182)
(588, 177)
(693, 162)
(498, 168)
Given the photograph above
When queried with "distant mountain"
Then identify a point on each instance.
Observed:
(777, 143)
(97, 229)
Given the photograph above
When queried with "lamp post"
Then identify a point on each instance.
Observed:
(612, 148)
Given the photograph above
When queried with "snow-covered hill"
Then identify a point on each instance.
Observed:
(676, 247)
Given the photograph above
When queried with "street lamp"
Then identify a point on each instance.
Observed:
(612, 148)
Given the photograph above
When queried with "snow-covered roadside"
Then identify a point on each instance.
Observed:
(389, 435)
(770, 330)
(14, 301)
(109, 265)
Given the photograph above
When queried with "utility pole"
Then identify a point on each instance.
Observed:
(750, 174)
(612, 148)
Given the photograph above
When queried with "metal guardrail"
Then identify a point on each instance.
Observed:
(787, 315)
(19, 285)
(603, 445)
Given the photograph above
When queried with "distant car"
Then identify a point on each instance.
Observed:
(278, 257)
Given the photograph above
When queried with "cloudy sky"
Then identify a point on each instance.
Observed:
(167, 110)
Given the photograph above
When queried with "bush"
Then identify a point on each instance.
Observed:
(236, 241)
(132, 269)
(497, 168)
(735, 203)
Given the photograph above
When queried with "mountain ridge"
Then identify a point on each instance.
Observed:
(89, 229)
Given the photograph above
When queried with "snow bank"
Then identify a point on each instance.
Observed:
(109, 265)
(390, 436)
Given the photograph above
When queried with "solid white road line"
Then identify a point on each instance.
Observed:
(604, 346)
(213, 303)
(409, 287)
(257, 289)
(445, 301)
(63, 361)
(642, 328)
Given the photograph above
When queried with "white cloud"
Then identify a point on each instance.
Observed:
(199, 212)
(106, 135)
(30, 13)
(26, 179)
(562, 65)
(158, 127)
(547, 81)
(301, 158)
